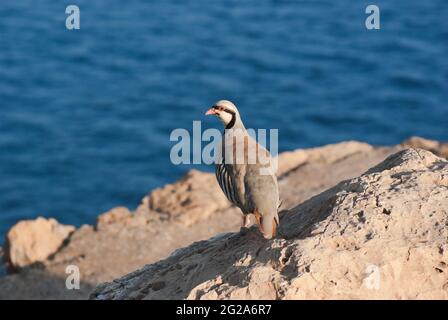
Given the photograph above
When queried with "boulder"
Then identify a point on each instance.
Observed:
(31, 241)
(381, 235)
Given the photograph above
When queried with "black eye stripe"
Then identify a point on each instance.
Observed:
(220, 108)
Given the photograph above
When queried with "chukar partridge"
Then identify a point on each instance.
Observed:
(244, 171)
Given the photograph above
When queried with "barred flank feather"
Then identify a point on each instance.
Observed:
(226, 183)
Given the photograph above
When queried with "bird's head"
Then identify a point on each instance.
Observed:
(226, 111)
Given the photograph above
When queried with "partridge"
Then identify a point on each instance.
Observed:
(245, 172)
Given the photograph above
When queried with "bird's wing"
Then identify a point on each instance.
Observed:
(227, 183)
(261, 191)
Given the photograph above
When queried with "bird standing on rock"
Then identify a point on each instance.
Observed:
(244, 171)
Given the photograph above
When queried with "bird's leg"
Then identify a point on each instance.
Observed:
(246, 221)
(245, 225)
(259, 220)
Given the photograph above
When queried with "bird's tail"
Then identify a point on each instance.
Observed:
(268, 225)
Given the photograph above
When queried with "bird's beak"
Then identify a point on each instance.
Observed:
(210, 111)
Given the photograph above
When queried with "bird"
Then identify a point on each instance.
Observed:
(244, 171)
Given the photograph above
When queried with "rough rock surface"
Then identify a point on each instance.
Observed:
(31, 241)
(118, 214)
(383, 235)
(175, 216)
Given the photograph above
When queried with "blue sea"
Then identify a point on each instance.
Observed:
(86, 115)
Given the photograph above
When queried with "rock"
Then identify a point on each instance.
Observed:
(124, 240)
(328, 154)
(326, 166)
(422, 143)
(32, 241)
(291, 160)
(336, 152)
(37, 283)
(194, 197)
(381, 235)
(122, 245)
(436, 147)
(113, 216)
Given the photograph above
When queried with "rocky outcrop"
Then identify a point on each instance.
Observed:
(380, 235)
(116, 215)
(31, 241)
(436, 147)
(176, 215)
(193, 198)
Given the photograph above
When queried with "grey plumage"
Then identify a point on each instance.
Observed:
(249, 181)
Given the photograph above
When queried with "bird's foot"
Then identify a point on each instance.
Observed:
(245, 224)
(244, 230)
